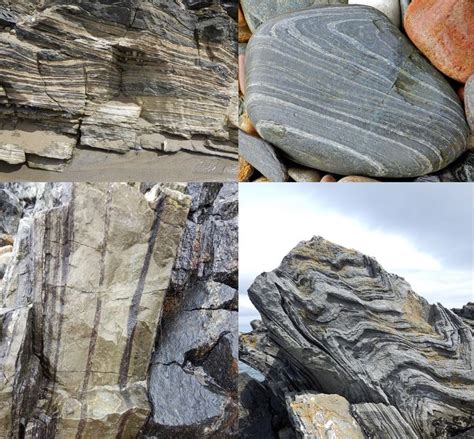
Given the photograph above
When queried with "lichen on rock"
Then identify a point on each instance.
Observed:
(336, 323)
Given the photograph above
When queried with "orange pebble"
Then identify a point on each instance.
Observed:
(246, 125)
(328, 179)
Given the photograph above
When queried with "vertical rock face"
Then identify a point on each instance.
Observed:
(194, 367)
(115, 75)
(82, 300)
(340, 324)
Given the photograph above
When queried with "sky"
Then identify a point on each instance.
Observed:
(423, 232)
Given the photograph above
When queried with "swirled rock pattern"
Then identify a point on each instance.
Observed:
(116, 76)
(258, 12)
(341, 89)
(336, 318)
(83, 309)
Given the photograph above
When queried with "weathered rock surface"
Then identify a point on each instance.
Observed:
(342, 90)
(336, 323)
(10, 212)
(315, 416)
(380, 420)
(12, 154)
(258, 12)
(83, 309)
(443, 31)
(113, 75)
(194, 368)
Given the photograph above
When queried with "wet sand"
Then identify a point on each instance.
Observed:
(96, 165)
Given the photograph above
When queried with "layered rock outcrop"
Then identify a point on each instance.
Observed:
(336, 323)
(84, 311)
(117, 76)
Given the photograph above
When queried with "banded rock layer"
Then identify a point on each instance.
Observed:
(341, 89)
(335, 322)
(83, 305)
(258, 12)
(117, 76)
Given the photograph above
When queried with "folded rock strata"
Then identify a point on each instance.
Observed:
(83, 297)
(107, 75)
(341, 89)
(337, 319)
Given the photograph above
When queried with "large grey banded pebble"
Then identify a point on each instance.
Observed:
(342, 90)
(259, 11)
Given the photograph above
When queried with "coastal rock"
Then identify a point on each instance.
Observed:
(348, 327)
(462, 170)
(391, 8)
(262, 156)
(101, 278)
(255, 412)
(242, 48)
(12, 154)
(245, 170)
(258, 12)
(101, 74)
(244, 31)
(304, 174)
(357, 179)
(194, 368)
(315, 416)
(98, 381)
(328, 179)
(15, 366)
(380, 420)
(443, 31)
(246, 125)
(342, 90)
(10, 212)
(469, 102)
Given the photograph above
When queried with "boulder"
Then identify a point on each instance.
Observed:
(342, 90)
(350, 328)
(443, 30)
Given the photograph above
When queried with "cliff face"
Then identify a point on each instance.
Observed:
(194, 368)
(116, 76)
(85, 309)
(342, 336)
